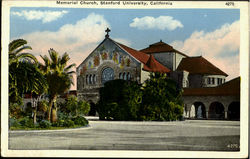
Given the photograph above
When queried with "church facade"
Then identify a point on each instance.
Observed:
(195, 75)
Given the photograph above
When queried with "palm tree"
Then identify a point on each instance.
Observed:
(25, 77)
(16, 48)
(58, 76)
(17, 57)
(29, 79)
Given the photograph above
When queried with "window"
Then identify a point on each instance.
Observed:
(124, 76)
(120, 75)
(87, 79)
(219, 81)
(208, 81)
(94, 79)
(212, 80)
(107, 74)
(128, 76)
(90, 79)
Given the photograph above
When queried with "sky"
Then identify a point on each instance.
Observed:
(212, 33)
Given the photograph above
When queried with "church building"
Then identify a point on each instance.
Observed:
(195, 75)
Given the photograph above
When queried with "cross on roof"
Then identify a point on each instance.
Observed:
(107, 31)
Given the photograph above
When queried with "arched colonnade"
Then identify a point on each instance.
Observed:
(211, 107)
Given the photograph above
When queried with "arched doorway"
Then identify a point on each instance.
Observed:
(93, 108)
(192, 112)
(200, 110)
(216, 111)
(234, 111)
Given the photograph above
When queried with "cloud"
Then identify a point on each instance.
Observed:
(123, 41)
(161, 22)
(221, 47)
(45, 16)
(78, 39)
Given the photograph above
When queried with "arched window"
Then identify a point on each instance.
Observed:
(120, 75)
(94, 79)
(107, 74)
(90, 79)
(87, 79)
(124, 76)
(128, 76)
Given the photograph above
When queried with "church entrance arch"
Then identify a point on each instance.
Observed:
(107, 74)
(216, 111)
(192, 112)
(200, 110)
(234, 111)
(93, 109)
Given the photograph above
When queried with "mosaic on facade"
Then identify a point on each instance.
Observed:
(107, 52)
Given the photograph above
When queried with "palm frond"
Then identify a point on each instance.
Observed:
(27, 56)
(15, 52)
(69, 67)
(13, 45)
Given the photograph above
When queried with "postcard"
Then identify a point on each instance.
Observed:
(164, 79)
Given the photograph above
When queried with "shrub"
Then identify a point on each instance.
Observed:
(62, 115)
(83, 107)
(68, 123)
(26, 122)
(74, 107)
(161, 99)
(80, 120)
(14, 123)
(119, 100)
(15, 110)
(59, 123)
(42, 106)
(45, 124)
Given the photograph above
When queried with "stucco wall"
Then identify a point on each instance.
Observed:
(144, 75)
(195, 80)
(178, 59)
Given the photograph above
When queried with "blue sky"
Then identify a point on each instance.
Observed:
(212, 33)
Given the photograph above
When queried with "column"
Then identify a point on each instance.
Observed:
(226, 104)
(206, 104)
(225, 114)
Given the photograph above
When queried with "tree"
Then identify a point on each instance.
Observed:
(119, 100)
(58, 76)
(16, 48)
(17, 55)
(161, 99)
(24, 75)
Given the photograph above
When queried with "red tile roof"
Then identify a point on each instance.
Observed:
(142, 57)
(199, 65)
(150, 64)
(153, 65)
(160, 47)
(229, 88)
